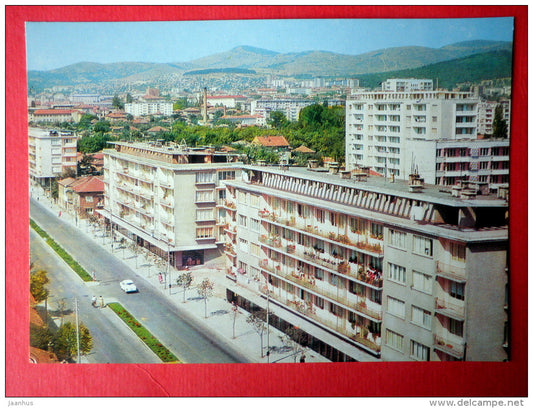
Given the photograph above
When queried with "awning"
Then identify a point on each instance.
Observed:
(160, 243)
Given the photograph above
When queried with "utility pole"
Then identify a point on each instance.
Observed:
(78, 360)
(268, 321)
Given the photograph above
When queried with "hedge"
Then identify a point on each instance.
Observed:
(155, 345)
(76, 267)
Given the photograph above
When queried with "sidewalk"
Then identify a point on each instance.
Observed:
(220, 316)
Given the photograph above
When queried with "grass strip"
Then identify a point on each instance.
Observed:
(76, 267)
(155, 345)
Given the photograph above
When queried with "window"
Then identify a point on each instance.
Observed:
(422, 246)
(396, 307)
(255, 249)
(319, 302)
(254, 200)
(255, 225)
(204, 214)
(394, 340)
(242, 197)
(375, 296)
(396, 273)
(242, 220)
(455, 327)
(226, 175)
(333, 218)
(421, 317)
(88, 199)
(319, 274)
(319, 215)
(458, 252)
(422, 282)
(419, 351)
(356, 288)
(243, 245)
(457, 290)
(397, 238)
(336, 310)
(204, 196)
(376, 230)
(204, 177)
(243, 267)
(204, 232)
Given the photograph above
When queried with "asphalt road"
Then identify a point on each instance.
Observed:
(108, 347)
(190, 343)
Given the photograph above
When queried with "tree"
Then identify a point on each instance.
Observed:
(85, 165)
(277, 120)
(499, 124)
(65, 343)
(68, 172)
(117, 102)
(258, 321)
(294, 338)
(205, 290)
(185, 281)
(38, 281)
(102, 126)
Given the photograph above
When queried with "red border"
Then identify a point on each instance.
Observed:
(335, 379)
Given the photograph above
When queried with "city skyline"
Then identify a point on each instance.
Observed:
(55, 45)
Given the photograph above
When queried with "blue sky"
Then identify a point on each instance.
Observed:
(54, 45)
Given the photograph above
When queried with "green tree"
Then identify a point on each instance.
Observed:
(40, 337)
(499, 124)
(86, 121)
(117, 102)
(205, 290)
(65, 343)
(277, 120)
(102, 126)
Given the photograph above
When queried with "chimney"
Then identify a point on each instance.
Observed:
(205, 105)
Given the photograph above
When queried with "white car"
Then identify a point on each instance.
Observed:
(128, 286)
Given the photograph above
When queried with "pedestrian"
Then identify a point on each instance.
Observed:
(59, 215)
(101, 302)
(94, 276)
(302, 359)
(94, 301)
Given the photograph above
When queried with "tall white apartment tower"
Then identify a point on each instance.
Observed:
(383, 128)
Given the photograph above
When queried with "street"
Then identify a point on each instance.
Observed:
(191, 344)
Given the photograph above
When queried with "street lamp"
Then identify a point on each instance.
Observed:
(268, 319)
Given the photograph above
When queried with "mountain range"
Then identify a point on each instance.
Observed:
(262, 61)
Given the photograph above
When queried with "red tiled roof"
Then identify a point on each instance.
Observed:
(272, 141)
(304, 149)
(39, 356)
(66, 181)
(157, 129)
(90, 184)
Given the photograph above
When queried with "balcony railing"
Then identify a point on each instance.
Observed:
(450, 309)
(309, 282)
(453, 272)
(450, 347)
(308, 310)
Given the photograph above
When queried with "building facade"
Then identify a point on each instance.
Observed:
(168, 198)
(384, 128)
(51, 153)
(149, 108)
(371, 270)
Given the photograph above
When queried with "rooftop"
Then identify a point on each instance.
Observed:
(400, 188)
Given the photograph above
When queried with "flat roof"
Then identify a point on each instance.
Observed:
(382, 185)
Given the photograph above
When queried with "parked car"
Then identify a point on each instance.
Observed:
(128, 286)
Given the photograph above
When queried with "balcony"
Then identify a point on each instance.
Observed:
(455, 310)
(456, 273)
(451, 347)
(337, 325)
(309, 282)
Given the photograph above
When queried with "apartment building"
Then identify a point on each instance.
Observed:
(407, 85)
(384, 128)
(448, 162)
(51, 153)
(371, 270)
(486, 113)
(156, 107)
(168, 198)
(291, 107)
(54, 115)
